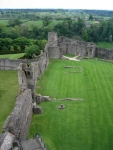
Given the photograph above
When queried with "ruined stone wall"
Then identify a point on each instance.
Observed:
(54, 52)
(19, 120)
(17, 124)
(7, 64)
(104, 53)
(75, 47)
(83, 49)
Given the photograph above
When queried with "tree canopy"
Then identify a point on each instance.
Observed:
(31, 50)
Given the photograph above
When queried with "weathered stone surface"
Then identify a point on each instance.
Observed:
(39, 98)
(43, 60)
(28, 72)
(54, 52)
(7, 142)
(34, 144)
(20, 118)
(62, 106)
(104, 53)
(37, 110)
(58, 46)
(2, 136)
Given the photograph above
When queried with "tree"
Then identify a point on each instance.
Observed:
(80, 25)
(110, 38)
(24, 31)
(33, 49)
(90, 17)
(84, 35)
(46, 21)
(12, 48)
(42, 44)
(13, 22)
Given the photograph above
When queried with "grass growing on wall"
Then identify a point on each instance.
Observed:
(12, 56)
(82, 125)
(8, 91)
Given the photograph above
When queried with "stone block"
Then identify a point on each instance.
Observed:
(37, 110)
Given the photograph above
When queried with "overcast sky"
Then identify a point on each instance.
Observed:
(74, 4)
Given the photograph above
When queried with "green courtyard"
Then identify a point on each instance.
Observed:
(84, 124)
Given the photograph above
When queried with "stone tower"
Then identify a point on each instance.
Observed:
(53, 48)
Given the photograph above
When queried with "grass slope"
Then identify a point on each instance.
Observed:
(8, 92)
(12, 56)
(82, 125)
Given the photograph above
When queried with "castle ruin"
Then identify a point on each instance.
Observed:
(59, 46)
(29, 71)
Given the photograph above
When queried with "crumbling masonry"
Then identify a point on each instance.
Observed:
(59, 46)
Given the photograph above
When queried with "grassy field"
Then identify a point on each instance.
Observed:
(82, 125)
(55, 22)
(38, 23)
(108, 45)
(4, 22)
(12, 56)
(8, 91)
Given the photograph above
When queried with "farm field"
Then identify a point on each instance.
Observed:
(84, 124)
(38, 23)
(55, 22)
(4, 22)
(12, 56)
(8, 91)
(108, 45)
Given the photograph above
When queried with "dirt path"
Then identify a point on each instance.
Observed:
(73, 58)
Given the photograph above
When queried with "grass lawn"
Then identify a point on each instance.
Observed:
(8, 91)
(4, 22)
(82, 125)
(54, 23)
(12, 56)
(108, 45)
(38, 23)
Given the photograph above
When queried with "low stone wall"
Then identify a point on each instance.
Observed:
(104, 53)
(7, 64)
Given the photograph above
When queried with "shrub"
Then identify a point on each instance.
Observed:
(30, 50)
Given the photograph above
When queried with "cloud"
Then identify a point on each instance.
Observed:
(80, 4)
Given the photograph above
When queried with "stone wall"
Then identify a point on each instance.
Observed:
(59, 46)
(54, 52)
(7, 64)
(19, 120)
(75, 47)
(17, 124)
(104, 53)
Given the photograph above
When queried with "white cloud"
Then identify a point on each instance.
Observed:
(80, 4)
